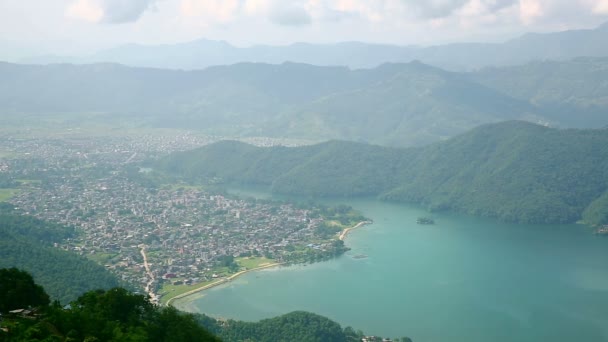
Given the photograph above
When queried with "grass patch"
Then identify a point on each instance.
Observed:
(169, 290)
(6, 194)
(253, 262)
(102, 258)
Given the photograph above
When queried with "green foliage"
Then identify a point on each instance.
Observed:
(514, 171)
(18, 291)
(34, 229)
(326, 230)
(227, 261)
(6, 182)
(597, 212)
(26, 243)
(295, 326)
(114, 315)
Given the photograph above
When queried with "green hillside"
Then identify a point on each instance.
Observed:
(573, 93)
(514, 171)
(416, 105)
(294, 326)
(27, 243)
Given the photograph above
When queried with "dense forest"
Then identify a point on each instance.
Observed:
(514, 171)
(27, 243)
(294, 326)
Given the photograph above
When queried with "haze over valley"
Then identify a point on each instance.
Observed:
(308, 171)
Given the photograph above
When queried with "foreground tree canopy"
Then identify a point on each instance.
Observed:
(113, 315)
(18, 290)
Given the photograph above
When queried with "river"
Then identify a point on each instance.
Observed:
(462, 279)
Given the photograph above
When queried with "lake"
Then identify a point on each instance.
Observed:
(462, 279)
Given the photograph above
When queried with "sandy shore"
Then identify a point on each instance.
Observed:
(345, 232)
(220, 282)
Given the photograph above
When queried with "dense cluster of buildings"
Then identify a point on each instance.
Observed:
(150, 235)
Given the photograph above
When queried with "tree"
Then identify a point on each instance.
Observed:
(170, 325)
(18, 290)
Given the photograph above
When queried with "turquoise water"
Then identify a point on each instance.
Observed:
(463, 279)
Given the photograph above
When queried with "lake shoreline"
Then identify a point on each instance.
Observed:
(342, 236)
(344, 233)
(220, 282)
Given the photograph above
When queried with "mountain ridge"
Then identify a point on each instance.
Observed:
(202, 53)
(394, 104)
(514, 171)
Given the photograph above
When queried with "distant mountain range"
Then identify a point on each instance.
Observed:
(394, 104)
(575, 92)
(200, 54)
(514, 171)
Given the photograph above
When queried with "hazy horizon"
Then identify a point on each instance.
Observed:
(79, 27)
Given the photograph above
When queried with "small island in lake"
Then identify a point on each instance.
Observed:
(425, 220)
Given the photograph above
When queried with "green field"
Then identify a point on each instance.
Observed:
(102, 258)
(169, 291)
(253, 262)
(6, 194)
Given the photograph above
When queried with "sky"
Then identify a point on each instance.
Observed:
(29, 27)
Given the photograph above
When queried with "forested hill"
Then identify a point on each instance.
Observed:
(574, 93)
(27, 243)
(514, 171)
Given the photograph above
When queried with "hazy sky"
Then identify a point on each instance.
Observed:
(78, 26)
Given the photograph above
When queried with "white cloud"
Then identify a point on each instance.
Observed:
(87, 10)
(257, 7)
(214, 10)
(108, 11)
(601, 7)
(285, 13)
(368, 10)
(530, 10)
(123, 11)
(247, 22)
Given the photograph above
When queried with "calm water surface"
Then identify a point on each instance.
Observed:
(463, 279)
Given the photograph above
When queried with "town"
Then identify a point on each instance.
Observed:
(165, 239)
